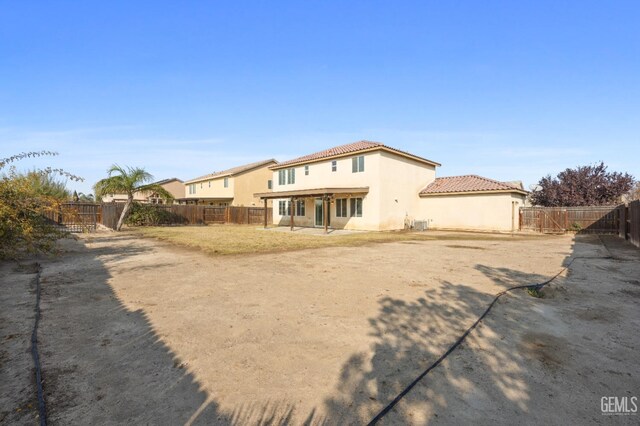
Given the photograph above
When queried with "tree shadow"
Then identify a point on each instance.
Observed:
(411, 335)
(105, 364)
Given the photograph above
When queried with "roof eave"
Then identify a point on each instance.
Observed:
(493, 191)
(352, 153)
(312, 192)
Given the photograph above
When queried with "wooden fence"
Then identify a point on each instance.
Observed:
(196, 215)
(592, 219)
(110, 213)
(75, 217)
(630, 223)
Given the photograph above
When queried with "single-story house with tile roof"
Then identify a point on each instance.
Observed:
(232, 187)
(371, 186)
(471, 202)
(175, 187)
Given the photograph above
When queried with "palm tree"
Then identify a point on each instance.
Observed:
(128, 181)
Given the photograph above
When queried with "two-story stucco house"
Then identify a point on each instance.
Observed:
(362, 185)
(370, 186)
(231, 187)
(174, 186)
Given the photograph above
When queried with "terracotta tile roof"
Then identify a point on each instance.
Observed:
(467, 183)
(349, 149)
(233, 171)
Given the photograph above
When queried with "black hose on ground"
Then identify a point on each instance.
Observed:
(457, 343)
(36, 356)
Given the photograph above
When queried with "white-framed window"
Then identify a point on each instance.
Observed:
(334, 166)
(341, 207)
(269, 184)
(200, 185)
(226, 182)
(306, 170)
(209, 184)
(300, 208)
(192, 188)
(356, 207)
(357, 164)
(284, 208)
(287, 176)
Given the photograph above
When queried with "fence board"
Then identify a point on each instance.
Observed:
(194, 215)
(590, 219)
(634, 223)
(75, 217)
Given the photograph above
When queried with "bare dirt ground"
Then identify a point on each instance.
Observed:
(138, 331)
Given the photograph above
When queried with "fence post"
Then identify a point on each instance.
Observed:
(520, 218)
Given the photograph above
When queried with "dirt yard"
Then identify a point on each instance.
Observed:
(139, 331)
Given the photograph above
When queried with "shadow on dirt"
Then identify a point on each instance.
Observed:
(104, 363)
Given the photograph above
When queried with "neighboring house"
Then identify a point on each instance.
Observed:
(370, 186)
(175, 187)
(472, 202)
(232, 187)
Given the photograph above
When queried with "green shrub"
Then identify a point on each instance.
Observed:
(26, 200)
(150, 215)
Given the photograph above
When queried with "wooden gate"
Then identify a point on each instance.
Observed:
(75, 217)
(215, 214)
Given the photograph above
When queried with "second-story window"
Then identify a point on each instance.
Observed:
(226, 182)
(357, 164)
(269, 184)
(306, 170)
(287, 176)
(334, 166)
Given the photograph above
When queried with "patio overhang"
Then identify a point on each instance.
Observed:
(324, 193)
(316, 192)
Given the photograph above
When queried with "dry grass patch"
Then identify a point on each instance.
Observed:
(239, 239)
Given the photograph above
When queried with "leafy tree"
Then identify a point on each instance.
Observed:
(45, 184)
(583, 186)
(128, 181)
(25, 201)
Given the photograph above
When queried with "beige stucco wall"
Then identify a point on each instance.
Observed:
(240, 190)
(389, 178)
(401, 180)
(482, 212)
(176, 188)
(137, 196)
(249, 183)
(211, 188)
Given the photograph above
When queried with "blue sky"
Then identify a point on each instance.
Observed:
(508, 89)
